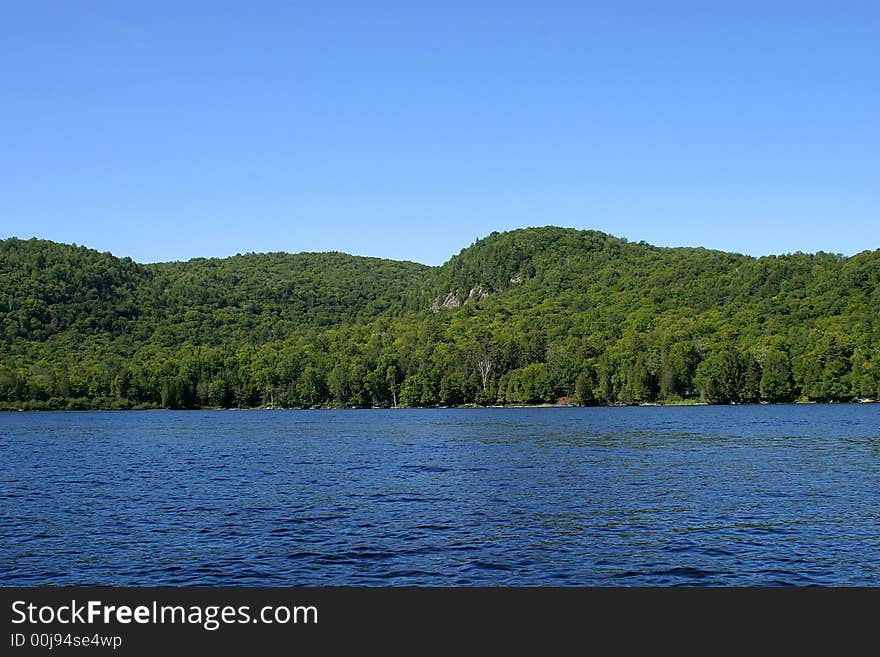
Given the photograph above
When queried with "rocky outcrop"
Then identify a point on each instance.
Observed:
(476, 294)
(450, 302)
(453, 300)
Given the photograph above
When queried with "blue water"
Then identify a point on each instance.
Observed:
(745, 495)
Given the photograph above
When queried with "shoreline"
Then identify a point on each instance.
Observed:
(677, 404)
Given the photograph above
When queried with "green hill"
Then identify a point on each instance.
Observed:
(527, 316)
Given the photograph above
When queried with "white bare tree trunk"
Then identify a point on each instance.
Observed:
(485, 366)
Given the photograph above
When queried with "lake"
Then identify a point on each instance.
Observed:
(656, 496)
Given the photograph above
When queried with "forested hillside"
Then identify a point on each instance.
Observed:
(528, 316)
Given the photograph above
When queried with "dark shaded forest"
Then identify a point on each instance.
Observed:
(532, 316)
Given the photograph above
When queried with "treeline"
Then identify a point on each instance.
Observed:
(394, 363)
(526, 317)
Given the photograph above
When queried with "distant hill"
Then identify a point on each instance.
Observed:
(527, 316)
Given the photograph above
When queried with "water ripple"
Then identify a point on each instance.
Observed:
(707, 496)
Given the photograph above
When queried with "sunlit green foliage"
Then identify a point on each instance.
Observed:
(530, 316)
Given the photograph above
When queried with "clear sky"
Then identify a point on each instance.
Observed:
(169, 130)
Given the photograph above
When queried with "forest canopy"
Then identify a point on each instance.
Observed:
(530, 316)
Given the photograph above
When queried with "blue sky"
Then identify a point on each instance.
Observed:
(169, 130)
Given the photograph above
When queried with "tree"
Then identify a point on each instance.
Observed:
(311, 387)
(484, 365)
(776, 384)
(751, 383)
(411, 391)
(720, 377)
(391, 381)
(584, 389)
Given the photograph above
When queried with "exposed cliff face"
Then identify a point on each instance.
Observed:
(476, 294)
(454, 300)
(450, 302)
